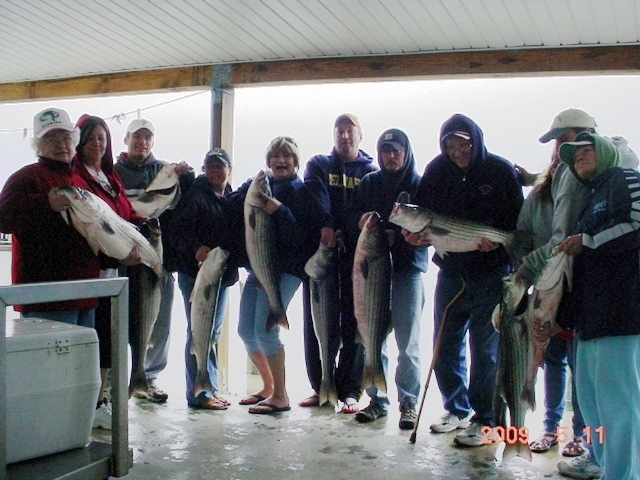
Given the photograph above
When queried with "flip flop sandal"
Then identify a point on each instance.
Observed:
(574, 448)
(544, 442)
(312, 401)
(252, 399)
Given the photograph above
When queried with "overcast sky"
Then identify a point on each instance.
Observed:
(512, 112)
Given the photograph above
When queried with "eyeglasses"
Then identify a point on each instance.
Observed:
(53, 139)
(461, 147)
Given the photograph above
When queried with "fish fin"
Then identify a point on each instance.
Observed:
(441, 252)
(107, 227)
(138, 381)
(403, 197)
(496, 317)
(529, 395)
(517, 449)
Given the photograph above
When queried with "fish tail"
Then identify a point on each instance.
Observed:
(138, 382)
(201, 384)
(517, 449)
(277, 317)
(374, 377)
(327, 393)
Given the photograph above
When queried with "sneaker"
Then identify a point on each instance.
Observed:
(371, 412)
(408, 416)
(580, 467)
(102, 416)
(476, 435)
(153, 394)
(449, 422)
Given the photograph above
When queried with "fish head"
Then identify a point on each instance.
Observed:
(372, 236)
(322, 262)
(410, 217)
(83, 204)
(258, 189)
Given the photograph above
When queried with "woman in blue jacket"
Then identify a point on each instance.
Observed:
(297, 220)
(605, 304)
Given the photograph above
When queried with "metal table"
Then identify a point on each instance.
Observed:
(97, 460)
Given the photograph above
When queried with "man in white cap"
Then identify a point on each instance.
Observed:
(44, 247)
(137, 168)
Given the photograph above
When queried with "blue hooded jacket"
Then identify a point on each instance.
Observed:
(378, 191)
(487, 191)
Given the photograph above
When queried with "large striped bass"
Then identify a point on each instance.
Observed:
(372, 297)
(515, 362)
(144, 306)
(261, 241)
(447, 234)
(162, 193)
(322, 269)
(204, 305)
(104, 229)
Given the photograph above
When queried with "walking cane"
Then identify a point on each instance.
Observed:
(436, 350)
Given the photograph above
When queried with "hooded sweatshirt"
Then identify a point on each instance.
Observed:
(378, 191)
(331, 181)
(487, 191)
(605, 300)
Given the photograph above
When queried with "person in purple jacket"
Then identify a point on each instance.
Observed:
(332, 178)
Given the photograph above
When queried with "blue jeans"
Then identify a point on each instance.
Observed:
(84, 318)
(607, 372)
(186, 283)
(558, 355)
(407, 301)
(469, 313)
(254, 309)
(158, 352)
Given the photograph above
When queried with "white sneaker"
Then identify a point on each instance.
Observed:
(102, 416)
(476, 435)
(449, 422)
(583, 467)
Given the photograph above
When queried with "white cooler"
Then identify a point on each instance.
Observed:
(53, 379)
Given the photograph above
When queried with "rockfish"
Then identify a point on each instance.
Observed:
(104, 229)
(554, 280)
(322, 269)
(447, 234)
(144, 306)
(372, 297)
(515, 362)
(261, 238)
(162, 193)
(204, 303)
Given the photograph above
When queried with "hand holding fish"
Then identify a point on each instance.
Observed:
(571, 245)
(271, 204)
(202, 253)
(415, 239)
(183, 168)
(133, 258)
(58, 202)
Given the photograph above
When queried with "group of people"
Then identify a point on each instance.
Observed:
(585, 204)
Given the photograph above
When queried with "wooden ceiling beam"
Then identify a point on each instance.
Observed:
(526, 62)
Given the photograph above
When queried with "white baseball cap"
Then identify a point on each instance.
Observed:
(140, 123)
(569, 118)
(50, 119)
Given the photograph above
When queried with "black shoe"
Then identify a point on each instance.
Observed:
(372, 412)
(408, 416)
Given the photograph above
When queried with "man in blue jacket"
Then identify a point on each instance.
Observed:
(466, 181)
(332, 178)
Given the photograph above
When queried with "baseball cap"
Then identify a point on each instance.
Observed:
(348, 117)
(217, 154)
(50, 119)
(394, 138)
(569, 118)
(140, 123)
(567, 149)
(458, 133)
